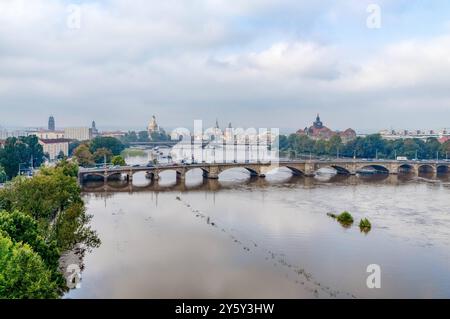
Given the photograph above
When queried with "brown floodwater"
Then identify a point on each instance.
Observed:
(268, 238)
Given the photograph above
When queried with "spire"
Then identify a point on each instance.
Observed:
(217, 123)
(318, 123)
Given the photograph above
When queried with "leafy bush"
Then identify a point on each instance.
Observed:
(365, 225)
(118, 160)
(345, 218)
(23, 273)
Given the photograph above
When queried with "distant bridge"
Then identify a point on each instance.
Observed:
(297, 167)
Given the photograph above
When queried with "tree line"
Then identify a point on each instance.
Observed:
(144, 136)
(97, 151)
(20, 154)
(370, 146)
(41, 218)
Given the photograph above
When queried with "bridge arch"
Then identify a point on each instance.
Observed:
(93, 176)
(191, 170)
(114, 176)
(405, 168)
(380, 169)
(295, 171)
(442, 169)
(426, 168)
(340, 170)
(251, 171)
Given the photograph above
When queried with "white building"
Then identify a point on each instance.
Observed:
(48, 135)
(53, 147)
(78, 133)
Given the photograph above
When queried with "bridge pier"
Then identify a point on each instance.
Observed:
(130, 177)
(181, 176)
(213, 172)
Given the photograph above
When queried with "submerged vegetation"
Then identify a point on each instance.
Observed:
(346, 220)
(365, 225)
(41, 218)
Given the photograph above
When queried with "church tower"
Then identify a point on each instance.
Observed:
(318, 123)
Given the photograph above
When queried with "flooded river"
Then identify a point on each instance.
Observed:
(268, 238)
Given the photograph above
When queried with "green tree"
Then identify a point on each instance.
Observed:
(23, 151)
(118, 160)
(334, 145)
(445, 149)
(68, 168)
(23, 273)
(110, 143)
(53, 199)
(34, 150)
(130, 137)
(83, 155)
(433, 146)
(72, 146)
(103, 155)
(320, 147)
(23, 228)
(143, 136)
(3, 176)
(61, 155)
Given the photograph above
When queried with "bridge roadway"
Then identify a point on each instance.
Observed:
(297, 167)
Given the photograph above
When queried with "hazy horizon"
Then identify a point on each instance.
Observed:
(264, 63)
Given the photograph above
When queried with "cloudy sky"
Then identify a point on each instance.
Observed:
(260, 63)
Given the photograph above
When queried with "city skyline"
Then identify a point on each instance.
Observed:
(223, 124)
(260, 64)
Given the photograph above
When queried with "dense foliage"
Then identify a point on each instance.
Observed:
(3, 175)
(118, 160)
(143, 136)
(23, 273)
(370, 146)
(22, 151)
(97, 151)
(40, 217)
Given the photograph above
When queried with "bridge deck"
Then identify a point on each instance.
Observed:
(322, 163)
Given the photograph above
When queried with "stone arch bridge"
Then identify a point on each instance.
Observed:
(300, 167)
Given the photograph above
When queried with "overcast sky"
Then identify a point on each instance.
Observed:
(256, 63)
